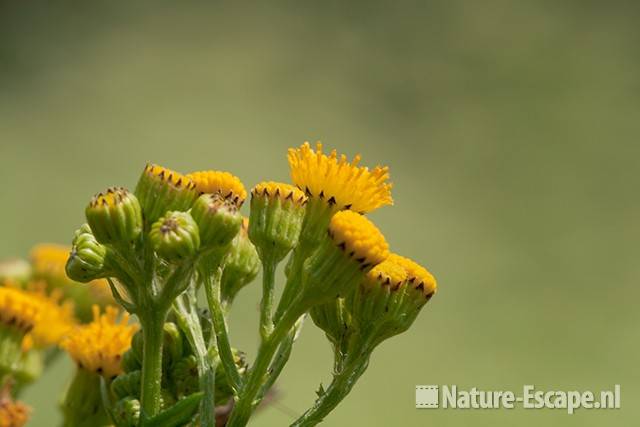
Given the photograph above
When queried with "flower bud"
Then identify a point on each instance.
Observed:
(126, 412)
(127, 384)
(175, 236)
(277, 211)
(87, 257)
(353, 247)
(114, 216)
(226, 185)
(241, 266)
(160, 190)
(218, 220)
(390, 297)
(130, 362)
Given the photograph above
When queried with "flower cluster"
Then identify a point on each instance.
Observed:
(176, 251)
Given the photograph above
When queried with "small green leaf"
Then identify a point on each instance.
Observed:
(178, 415)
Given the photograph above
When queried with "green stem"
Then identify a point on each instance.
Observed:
(266, 304)
(152, 323)
(339, 388)
(187, 317)
(245, 404)
(212, 289)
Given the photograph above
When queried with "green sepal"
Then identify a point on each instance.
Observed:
(274, 225)
(160, 190)
(115, 216)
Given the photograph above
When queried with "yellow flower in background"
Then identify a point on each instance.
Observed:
(343, 184)
(18, 309)
(48, 261)
(98, 346)
(218, 182)
(54, 321)
(12, 413)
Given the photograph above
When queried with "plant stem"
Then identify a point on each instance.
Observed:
(266, 304)
(212, 289)
(152, 331)
(340, 387)
(245, 404)
(185, 309)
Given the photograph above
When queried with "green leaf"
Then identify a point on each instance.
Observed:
(179, 414)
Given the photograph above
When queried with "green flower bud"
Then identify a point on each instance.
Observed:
(354, 245)
(333, 319)
(127, 412)
(390, 298)
(127, 385)
(277, 212)
(130, 362)
(241, 266)
(173, 345)
(175, 236)
(160, 190)
(82, 405)
(87, 258)
(114, 216)
(218, 219)
(184, 376)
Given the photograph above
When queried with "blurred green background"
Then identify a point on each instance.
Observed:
(510, 127)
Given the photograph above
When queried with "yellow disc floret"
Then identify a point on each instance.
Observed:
(223, 183)
(99, 346)
(278, 190)
(358, 237)
(417, 276)
(18, 309)
(341, 183)
(13, 413)
(387, 273)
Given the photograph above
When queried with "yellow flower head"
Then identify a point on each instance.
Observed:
(359, 238)
(278, 190)
(55, 319)
(13, 413)
(99, 346)
(168, 176)
(49, 260)
(342, 184)
(18, 309)
(417, 276)
(387, 273)
(217, 182)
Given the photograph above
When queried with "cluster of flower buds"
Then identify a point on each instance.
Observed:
(177, 234)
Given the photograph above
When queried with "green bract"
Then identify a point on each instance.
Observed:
(114, 216)
(218, 220)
